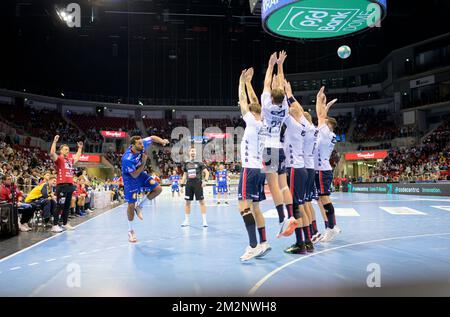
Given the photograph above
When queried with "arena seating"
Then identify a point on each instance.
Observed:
(425, 162)
(35, 122)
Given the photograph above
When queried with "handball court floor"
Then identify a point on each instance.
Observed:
(405, 238)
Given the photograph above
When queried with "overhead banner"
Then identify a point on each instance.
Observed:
(321, 19)
(88, 158)
(423, 189)
(369, 155)
(114, 134)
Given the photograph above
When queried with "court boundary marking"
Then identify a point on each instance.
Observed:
(262, 281)
(56, 235)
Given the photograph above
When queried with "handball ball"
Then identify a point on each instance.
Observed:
(344, 51)
(157, 179)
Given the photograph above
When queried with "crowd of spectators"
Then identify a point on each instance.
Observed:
(427, 161)
(371, 126)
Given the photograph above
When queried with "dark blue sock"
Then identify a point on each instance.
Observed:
(298, 236)
(280, 211)
(250, 225)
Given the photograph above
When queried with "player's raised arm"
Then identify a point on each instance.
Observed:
(248, 84)
(53, 154)
(280, 74)
(159, 140)
(322, 106)
(76, 158)
(243, 101)
(291, 99)
(269, 72)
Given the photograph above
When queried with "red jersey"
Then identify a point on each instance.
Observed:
(64, 169)
(6, 193)
(80, 190)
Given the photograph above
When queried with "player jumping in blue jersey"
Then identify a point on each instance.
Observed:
(175, 183)
(222, 179)
(134, 178)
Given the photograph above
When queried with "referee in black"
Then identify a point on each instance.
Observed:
(195, 176)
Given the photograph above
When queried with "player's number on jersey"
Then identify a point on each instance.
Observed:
(275, 126)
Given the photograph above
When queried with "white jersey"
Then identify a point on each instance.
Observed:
(325, 145)
(310, 144)
(252, 144)
(293, 143)
(273, 118)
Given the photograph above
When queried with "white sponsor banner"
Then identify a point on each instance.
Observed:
(424, 81)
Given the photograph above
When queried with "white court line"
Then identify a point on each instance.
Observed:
(15, 268)
(56, 235)
(446, 208)
(33, 264)
(402, 211)
(346, 212)
(50, 260)
(255, 288)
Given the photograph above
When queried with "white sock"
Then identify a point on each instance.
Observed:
(204, 217)
(186, 217)
(130, 225)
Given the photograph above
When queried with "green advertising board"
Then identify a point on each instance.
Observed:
(321, 19)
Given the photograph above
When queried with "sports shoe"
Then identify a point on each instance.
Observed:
(218, 202)
(287, 227)
(296, 249)
(330, 234)
(138, 211)
(316, 237)
(68, 227)
(309, 247)
(265, 248)
(56, 229)
(205, 224)
(186, 223)
(89, 210)
(132, 237)
(226, 203)
(250, 253)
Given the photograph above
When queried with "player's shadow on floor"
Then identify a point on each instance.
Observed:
(152, 251)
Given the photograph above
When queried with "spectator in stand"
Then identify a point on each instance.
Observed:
(11, 194)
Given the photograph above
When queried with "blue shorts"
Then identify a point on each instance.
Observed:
(310, 189)
(297, 178)
(251, 185)
(274, 160)
(323, 182)
(175, 189)
(132, 187)
(222, 188)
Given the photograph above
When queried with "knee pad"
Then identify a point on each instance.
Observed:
(247, 215)
(329, 208)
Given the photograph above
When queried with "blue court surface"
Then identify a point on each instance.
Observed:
(404, 241)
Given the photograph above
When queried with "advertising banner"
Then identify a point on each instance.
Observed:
(422, 189)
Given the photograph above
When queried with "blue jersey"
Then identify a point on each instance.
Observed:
(222, 177)
(174, 179)
(132, 161)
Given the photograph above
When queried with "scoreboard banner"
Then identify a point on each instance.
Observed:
(321, 19)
